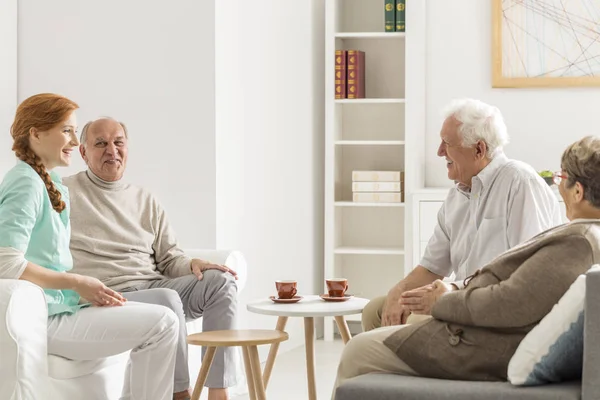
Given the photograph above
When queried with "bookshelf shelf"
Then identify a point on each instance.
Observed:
(370, 250)
(370, 101)
(370, 35)
(381, 132)
(355, 204)
(354, 317)
(370, 142)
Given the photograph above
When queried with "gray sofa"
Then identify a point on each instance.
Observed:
(396, 387)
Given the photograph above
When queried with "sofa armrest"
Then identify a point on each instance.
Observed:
(23, 340)
(230, 258)
(591, 332)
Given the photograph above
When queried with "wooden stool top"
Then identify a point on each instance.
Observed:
(247, 337)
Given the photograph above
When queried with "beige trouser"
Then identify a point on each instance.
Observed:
(366, 354)
(371, 315)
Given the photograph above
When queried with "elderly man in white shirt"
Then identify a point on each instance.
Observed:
(497, 203)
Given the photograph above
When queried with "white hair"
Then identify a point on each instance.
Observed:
(84, 131)
(479, 121)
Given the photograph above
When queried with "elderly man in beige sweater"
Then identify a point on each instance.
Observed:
(121, 235)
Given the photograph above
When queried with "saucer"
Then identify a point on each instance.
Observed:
(294, 299)
(326, 297)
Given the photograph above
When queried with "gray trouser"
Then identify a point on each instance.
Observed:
(214, 298)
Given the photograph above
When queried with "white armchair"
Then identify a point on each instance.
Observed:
(27, 372)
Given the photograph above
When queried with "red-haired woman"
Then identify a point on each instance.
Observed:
(86, 319)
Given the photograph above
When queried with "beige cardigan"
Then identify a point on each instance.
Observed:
(475, 331)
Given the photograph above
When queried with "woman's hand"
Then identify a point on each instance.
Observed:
(421, 300)
(96, 292)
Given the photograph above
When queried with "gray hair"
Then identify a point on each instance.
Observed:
(83, 137)
(581, 162)
(479, 121)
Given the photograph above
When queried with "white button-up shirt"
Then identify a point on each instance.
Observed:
(508, 204)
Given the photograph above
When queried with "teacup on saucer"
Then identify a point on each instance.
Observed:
(294, 299)
(327, 297)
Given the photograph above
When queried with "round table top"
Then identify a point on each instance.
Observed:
(245, 337)
(309, 306)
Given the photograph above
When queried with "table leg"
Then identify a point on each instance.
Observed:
(343, 327)
(258, 382)
(281, 322)
(309, 339)
(249, 373)
(206, 362)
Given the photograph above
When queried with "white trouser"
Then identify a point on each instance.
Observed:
(150, 331)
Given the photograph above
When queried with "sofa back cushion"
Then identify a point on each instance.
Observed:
(553, 350)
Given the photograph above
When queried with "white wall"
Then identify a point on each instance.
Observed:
(149, 64)
(8, 80)
(541, 122)
(255, 186)
(270, 124)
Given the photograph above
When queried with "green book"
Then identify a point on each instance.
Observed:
(390, 21)
(400, 15)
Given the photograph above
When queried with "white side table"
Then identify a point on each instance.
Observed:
(309, 307)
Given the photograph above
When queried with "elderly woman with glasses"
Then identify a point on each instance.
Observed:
(473, 332)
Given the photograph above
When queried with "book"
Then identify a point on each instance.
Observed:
(376, 186)
(402, 186)
(390, 15)
(377, 176)
(380, 197)
(356, 74)
(400, 15)
(341, 57)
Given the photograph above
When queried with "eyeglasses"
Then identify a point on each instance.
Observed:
(558, 177)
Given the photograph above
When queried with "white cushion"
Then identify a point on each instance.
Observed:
(553, 350)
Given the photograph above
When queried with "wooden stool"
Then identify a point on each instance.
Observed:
(248, 340)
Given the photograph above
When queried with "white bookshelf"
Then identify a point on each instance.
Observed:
(369, 250)
(370, 243)
(369, 142)
(370, 35)
(370, 101)
(354, 204)
(353, 318)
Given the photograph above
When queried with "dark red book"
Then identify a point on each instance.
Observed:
(340, 73)
(356, 74)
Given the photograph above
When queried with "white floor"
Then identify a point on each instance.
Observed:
(288, 380)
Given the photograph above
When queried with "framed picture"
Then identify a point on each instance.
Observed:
(545, 43)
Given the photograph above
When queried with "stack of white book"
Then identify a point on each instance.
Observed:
(378, 186)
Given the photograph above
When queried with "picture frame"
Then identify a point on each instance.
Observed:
(537, 44)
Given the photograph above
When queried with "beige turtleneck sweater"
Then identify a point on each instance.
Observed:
(120, 233)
